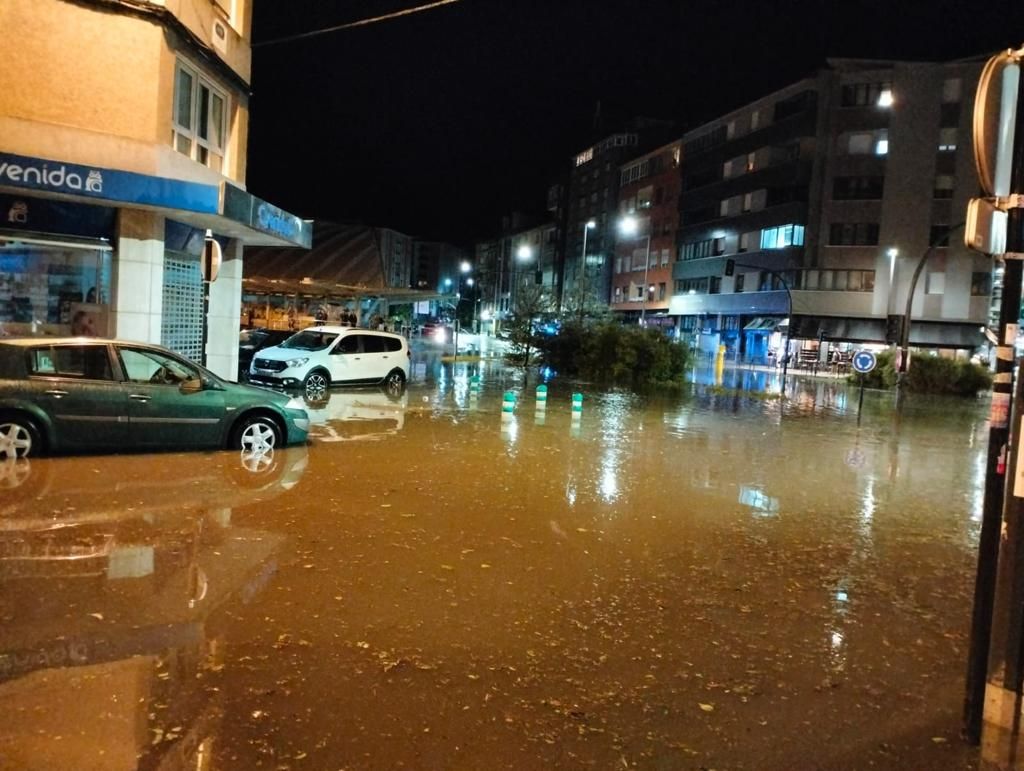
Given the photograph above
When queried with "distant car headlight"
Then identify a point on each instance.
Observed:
(296, 362)
(439, 335)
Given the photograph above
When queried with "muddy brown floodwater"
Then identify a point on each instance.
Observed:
(690, 581)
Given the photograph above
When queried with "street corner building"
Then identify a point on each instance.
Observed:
(123, 136)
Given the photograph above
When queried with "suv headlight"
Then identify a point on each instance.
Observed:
(296, 362)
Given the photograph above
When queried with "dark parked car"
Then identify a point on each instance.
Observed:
(251, 341)
(66, 394)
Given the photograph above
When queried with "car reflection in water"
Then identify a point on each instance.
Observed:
(113, 589)
(349, 416)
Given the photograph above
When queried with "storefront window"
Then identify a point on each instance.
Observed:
(53, 289)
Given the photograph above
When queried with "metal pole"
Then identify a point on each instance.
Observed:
(989, 631)
(647, 263)
(789, 333)
(909, 309)
(206, 322)
(583, 267)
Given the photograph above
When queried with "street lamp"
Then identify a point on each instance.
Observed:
(630, 226)
(464, 268)
(588, 225)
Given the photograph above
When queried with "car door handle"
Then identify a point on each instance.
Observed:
(56, 393)
(139, 397)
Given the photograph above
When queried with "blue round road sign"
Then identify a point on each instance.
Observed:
(864, 361)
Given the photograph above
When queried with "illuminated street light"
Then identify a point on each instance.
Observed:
(588, 225)
(524, 252)
(465, 267)
(629, 226)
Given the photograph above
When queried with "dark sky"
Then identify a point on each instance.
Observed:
(436, 124)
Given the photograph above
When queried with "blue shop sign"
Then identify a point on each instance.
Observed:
(107, 184)
(28, 214)
(265, 217)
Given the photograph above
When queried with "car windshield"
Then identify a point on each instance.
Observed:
(309, 341)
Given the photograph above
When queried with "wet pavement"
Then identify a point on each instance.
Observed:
(699, 579)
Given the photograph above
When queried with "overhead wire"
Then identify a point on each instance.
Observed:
(358, 23)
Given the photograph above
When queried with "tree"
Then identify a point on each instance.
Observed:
(532, 303)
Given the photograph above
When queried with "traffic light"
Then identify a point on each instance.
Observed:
(730, 267)
(893, 328)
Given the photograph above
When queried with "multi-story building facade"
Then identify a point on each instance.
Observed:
(648, 219)
(521, 263)
(118, 161)
(589, 209)
(590, 215)
(833, 187)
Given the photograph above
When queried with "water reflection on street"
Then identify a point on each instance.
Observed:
(707, 577)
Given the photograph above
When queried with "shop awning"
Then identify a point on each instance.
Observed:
(224, 208)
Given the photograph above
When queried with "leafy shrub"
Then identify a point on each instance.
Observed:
(611, 352)
(929, 375)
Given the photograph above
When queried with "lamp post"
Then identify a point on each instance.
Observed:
(630, 226)
(588, 225)
(464, 268)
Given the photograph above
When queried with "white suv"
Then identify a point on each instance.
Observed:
(319, 357)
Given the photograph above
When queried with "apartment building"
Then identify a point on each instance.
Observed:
(587, 231)
(123, 135)
(649, 188)
(825, 195)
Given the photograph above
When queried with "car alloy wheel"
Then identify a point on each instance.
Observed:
(394, 382)
(15, 440)
(259, 436)
(316, 385)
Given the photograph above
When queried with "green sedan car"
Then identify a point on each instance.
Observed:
(83, 394)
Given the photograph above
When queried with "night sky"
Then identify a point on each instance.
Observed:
(438, 123)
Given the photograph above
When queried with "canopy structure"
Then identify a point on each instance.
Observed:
(327, 290)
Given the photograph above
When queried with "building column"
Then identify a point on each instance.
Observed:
(136, 307)
(225, 317)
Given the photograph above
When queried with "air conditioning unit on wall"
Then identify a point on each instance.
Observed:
(219, 36)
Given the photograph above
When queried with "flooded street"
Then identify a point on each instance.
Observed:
(701, 579)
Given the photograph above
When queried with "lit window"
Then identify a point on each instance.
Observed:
(782, 236)
(885, 98)
(200, 118)
(882, 143)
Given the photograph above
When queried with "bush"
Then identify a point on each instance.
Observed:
(611, 352)
(929, 375)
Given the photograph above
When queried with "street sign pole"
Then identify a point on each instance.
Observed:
(992, 702)
(209, 268)
(863, 362)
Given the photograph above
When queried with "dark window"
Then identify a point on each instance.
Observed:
(738, 283)
(862, 94)
(939, 235)
(393, 344)
(857, 188)
(89, 362)
(697, 179)
(981, 284)
(704, 214)
(853, 234)
(763, 281)
(716, 285)
(374, 344)
(791, 106)
(348, 344)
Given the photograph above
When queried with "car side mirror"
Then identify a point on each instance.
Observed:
(191, 386)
